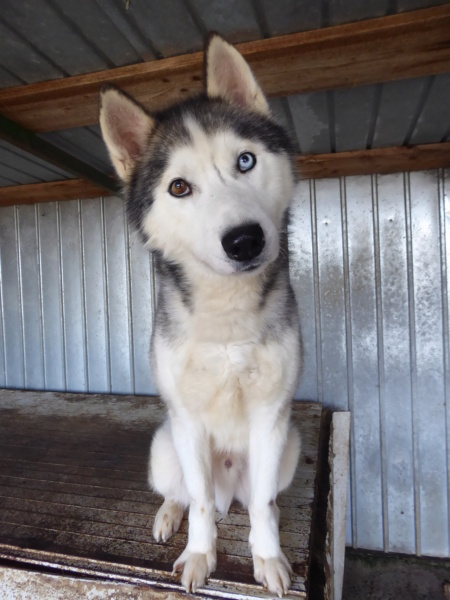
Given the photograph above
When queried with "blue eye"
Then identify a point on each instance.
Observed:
(246, 162)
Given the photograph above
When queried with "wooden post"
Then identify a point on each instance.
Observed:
(337, 505)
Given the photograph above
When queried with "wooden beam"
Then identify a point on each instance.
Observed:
(313, 166)
(69, 189)
(380, 160)
(395, 47)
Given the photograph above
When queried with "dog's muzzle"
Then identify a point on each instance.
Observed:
(244, 243)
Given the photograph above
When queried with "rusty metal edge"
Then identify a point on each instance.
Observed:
(130, 574)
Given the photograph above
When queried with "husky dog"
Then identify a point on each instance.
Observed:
(208, 184)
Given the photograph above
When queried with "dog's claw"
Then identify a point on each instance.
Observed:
(273, 573)
(194, 568)
(168, 520)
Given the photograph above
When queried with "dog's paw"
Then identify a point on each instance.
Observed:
(273, 573)
(194, 568)
(168, 520)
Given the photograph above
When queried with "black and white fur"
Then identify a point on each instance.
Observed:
(208, 184)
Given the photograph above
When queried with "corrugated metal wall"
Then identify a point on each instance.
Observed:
(369, 260)
(77, 299)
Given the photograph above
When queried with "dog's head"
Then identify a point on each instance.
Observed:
(208, 181)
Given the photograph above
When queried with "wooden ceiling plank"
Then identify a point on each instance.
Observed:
(377, 161)
(402, 46)
(314, 166)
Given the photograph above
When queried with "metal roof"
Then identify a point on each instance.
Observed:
(44, 40)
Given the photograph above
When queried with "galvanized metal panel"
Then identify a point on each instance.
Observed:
(7, 79)
(72, 289)
(303, 272)
(311, 120)
(95, 305)
(363, 349)
(395, 384)
(99, 26)
(4, 182)
(44, 27)
(13, 175)
(444, 222)
(49, 265)
(118, 297)
(353, 114)
(397, 111)
(28, 165)
(434, 120)
(29, 278)
(81, 301)
(2, 350)
(143, 302)
(395, 330)
(2, 328)
(117, 13)
(289, 16)
(406, 5)
(83, 142)
(236, 20)
(333, 379)
(170, 27)
(429, 407)
(12, 300)
(22, 59)
(281, 112)
(346, 11)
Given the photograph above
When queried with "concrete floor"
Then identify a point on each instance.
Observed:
(372, 576)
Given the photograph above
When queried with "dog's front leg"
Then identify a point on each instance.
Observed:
(199, 557)
(268, 435)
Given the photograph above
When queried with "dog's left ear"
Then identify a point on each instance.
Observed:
(229, 76)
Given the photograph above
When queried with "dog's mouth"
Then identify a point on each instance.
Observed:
(249, 268)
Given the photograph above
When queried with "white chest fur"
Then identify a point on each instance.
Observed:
(222, 384)
(221, 369)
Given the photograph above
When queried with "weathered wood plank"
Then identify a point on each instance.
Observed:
(73, 494)
(67, 189)
(134, 515)
(399, 46)
(379, 160)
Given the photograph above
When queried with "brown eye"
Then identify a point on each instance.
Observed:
(179, 188)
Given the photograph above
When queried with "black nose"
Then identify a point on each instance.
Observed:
(244, 242)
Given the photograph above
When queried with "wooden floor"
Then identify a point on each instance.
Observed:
(74, 494)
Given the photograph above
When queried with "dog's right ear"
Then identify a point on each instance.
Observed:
(229, 76)
(126, 127)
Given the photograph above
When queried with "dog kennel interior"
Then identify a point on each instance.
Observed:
(364, 90)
